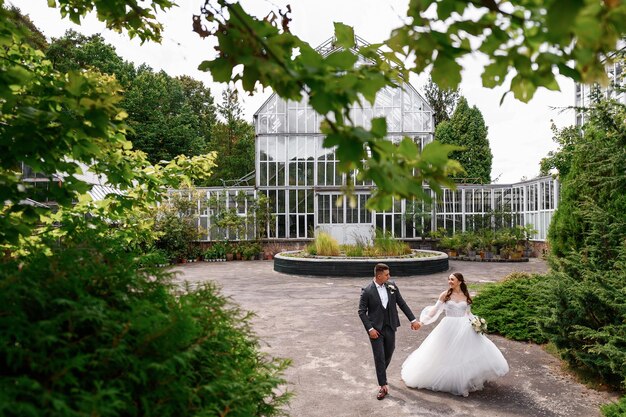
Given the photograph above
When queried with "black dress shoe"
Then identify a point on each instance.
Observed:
(381, 394)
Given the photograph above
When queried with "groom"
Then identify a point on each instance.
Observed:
(378, 312)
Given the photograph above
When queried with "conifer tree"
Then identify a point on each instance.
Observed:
(467, 128)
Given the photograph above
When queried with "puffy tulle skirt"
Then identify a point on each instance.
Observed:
(455, 359)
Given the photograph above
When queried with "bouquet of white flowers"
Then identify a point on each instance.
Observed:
(479, 324)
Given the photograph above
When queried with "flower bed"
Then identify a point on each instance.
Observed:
(419, 262)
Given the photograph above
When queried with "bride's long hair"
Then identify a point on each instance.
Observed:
(459, 276)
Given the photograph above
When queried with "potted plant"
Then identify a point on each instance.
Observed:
(529, 233)
(469, 242)
(229, 251)
(272, 249)
(219, 251)
(209, 255)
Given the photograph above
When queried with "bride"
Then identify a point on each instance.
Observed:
(453, 358)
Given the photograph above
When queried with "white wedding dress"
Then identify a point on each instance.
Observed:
(453, 358)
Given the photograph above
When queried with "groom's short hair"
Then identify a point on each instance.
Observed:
(379, 268)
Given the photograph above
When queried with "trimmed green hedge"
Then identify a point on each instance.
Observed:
(511, 306)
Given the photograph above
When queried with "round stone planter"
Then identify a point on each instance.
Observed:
(359, 267)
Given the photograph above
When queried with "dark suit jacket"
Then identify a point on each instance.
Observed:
(371, 309)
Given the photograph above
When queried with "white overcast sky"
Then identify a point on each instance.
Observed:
(519, 133)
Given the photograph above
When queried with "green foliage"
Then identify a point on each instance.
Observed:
(561, 160)
(176, 225)
(57, 122)
(87, 331)
(75, 51)
(593, 189)
(90, 326)
(585, 317)
(167, 116)
(511, 307)
(353, 250)
(466, 128)
(154, 257)
(617, 409)
(529, 39)
(233, 140)
(442, 101)
(163, 121)
(34, 37)
(384, 244)
(137, 18)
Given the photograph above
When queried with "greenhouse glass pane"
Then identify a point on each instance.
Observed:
(281, 201)
(293, 225)
(281, 228)
(292, 124)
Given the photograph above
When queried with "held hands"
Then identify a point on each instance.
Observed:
(416, 325)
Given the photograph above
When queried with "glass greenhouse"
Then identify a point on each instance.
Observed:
(300, 179)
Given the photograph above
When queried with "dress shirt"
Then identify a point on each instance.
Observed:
(382, 291)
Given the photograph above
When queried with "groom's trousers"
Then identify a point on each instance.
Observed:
(383, 348)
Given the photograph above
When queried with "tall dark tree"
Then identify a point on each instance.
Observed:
(233, 140)
(163, 121)
(467, 128)
(442, 101)
(33, 35)
(201, 102)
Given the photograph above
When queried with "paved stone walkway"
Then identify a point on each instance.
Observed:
(314, 322)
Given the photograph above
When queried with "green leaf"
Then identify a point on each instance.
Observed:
(567, 71)
(408, 148)
(523, 88)
(446, 72)
(221, 69)
(344, 35)
(321, 101)
(379, 127)
(342, 60)
(561, 17)
(445, 8)
(350, 152)
(371, 87)
(436, 153)
(495, 73)
(250, 78)
(75, 84)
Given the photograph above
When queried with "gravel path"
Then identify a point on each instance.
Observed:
(314, 322)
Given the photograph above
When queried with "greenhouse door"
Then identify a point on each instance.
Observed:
(346, 224)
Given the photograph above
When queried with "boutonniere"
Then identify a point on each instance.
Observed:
(391, 288)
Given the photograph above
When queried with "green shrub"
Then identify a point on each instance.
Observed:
(585, 318)
(311, 249)
(155, 257)
(177, 228)
(511, 306)
(585, 314)
(617, 409)
(86, 332)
